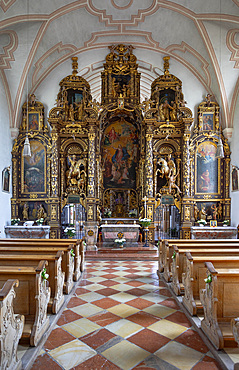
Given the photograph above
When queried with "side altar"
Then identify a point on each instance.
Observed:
(219, 232)
(37, 232)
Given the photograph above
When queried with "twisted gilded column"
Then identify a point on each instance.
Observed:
(149, 188)
(91, 165)
(187, 202)
(91, 228)
(149, 191)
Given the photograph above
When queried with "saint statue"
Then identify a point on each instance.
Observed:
(25, 211)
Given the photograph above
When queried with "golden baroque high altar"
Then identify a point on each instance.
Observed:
(120, 158)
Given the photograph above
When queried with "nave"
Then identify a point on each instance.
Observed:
(121, 316)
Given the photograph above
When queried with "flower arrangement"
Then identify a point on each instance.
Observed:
(133, 213)
(70, 231)
(145, 222)
(44, 275)
(202, 222)
(107, 212)
(226, 222)
(15, 221)
(208, 280)
(40, 221)
(120, 241)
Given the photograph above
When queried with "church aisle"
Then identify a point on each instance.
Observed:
(122, 317)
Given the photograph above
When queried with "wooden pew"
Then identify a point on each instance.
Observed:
(32, 298)
(39, 248)
(163, 244)
(220, 301)
(195, 272)
(168, 251)
(56, 275)
(178, 262)
(11, 327)
(78, 246)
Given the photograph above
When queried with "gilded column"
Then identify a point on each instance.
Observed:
(91, 228)
(54, 202)
(149, 189)
(187, 202)
(91, 165)
(54, 165)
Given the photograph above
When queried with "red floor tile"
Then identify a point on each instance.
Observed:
(45, 362)
(57, 338)
(68, 316)
(193, 340)
(80, 291)
(171, 303)
(105, 303)
(107, 291)
(109, 276)
(108, 283)
(137, 292)
(140, 303)
(179, 318)
(75, 301)
(96, 362)
(97, 338)
(104, 319)
(165, 292)
(207, 363)
(148, 340)
(143, 318)
(131, 276)
(135, 283)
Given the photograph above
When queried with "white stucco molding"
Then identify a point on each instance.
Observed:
(227, 132)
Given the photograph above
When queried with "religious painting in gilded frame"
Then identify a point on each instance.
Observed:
(120, 155)
(207, 169)
(6, 180)
(208, 121)
(234, 179)
(34, 169)
(33, 121)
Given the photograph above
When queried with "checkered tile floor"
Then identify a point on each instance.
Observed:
(122, 317)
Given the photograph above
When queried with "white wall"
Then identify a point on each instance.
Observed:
(235, 161)
(5, 160)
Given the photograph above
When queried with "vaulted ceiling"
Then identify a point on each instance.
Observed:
(38, 39)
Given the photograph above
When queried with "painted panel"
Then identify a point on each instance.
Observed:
(207, 169)
(120, 155)
(34, 169)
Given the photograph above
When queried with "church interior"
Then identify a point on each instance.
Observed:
(120, 184)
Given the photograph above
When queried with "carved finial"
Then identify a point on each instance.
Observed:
(74, 65)
(166, 65)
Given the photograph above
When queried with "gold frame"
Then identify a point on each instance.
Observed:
(218, 172)
(234, 179)
(213, 223)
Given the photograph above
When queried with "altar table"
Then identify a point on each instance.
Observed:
(219, 232)
(37, 232)
(130, 232)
